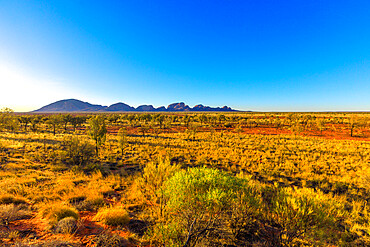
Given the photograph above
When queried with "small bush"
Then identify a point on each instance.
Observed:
(11, 212)
(303, 211)
(197, 199)
(153, 177)
(81, 203)
(66, 225)
(114, 216)
(106, 239)
(10, 199)
(55, 212)
(77, 152)
(76, 200)
(94, 203)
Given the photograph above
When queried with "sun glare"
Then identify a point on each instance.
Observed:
(22, 91)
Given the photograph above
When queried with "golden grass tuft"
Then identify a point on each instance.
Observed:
(10, 199)
(55, 212)
(113, 216)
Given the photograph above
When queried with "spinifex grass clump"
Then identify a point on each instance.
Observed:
(10, 199)
(66, 225)
(107, 239)
(113, 216)
(82, 203)
(56, 212)
(11, 212)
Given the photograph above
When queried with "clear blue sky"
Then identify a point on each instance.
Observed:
(250, 55)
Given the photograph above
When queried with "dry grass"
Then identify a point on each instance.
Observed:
(56, 212)
(113, 216)
(268, 149)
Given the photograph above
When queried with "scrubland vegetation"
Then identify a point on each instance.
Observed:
(185, 179)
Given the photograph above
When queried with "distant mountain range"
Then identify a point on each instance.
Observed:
(74, 105)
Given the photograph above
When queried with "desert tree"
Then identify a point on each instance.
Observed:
(354, 122)
(7, 119)
(203, 118)
(160, 119)
(77, 121)
(97, 131)
(221, 118)
(192, 131)
(113, 119)
(77, 152)
(54, 121)
(187, 120)
(174, 118)
(320, 124)
(146, 118)
(66, 119)
(132, 119)
(24, 120)
(35, 121)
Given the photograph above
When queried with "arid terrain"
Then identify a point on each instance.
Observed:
(185, 179)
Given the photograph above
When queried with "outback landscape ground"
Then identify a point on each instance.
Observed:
(185, 179)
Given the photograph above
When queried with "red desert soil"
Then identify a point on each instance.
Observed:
(37, 230)
(337, 132)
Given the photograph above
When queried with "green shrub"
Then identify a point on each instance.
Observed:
(113, 216)
(171, 234)
(201, 200)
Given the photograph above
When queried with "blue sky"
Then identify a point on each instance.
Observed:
(250, 55)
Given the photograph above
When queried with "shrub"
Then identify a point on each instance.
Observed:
(170, 234)
(55, 212)
(10, 199)
(303, 210)
(106, 239)
(66, 225)
(75, 200)
(113, 216)
(201, 189)
(77, 152)
(198, 199)
(11, 212)
(154, 175)
(81, 203)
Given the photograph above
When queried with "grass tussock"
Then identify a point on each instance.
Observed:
(106, 239)
(56, 212)
(10, 199)
(113, 216)
(11, 212)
